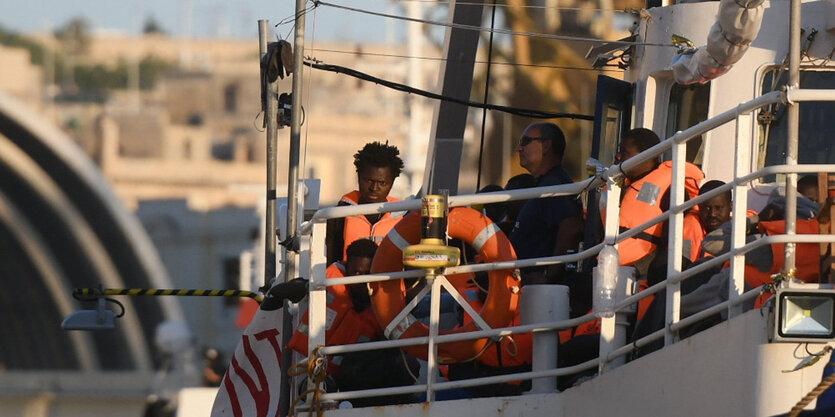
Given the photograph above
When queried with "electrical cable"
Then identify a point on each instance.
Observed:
(502, 31)
(437, 58)
(486, 95)
(523, 6)
(538, 114)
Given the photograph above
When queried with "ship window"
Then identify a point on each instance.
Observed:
(688, 107)
(816, 128)
(612, 126)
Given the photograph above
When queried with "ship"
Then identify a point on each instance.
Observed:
(737, 92)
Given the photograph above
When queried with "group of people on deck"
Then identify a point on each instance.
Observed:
(547, 227)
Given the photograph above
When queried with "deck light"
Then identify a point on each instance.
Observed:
(101, 318)
(805, 315)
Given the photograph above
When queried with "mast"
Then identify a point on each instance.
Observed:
(443, 160)
(272, 141)
(292, 195)
(792, 134)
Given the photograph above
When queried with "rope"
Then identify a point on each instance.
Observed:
(826, 383)
(315, 370)
(97, 292)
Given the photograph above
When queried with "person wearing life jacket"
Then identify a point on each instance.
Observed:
(545, 226)
(350, 318)
(377, 165)
(645, 195)
(708, 216)
(763, 262)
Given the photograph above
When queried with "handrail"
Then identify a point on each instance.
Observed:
(613, 172)
(326, 213)
(564, 324)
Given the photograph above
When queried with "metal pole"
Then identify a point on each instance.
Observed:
(292, 193)
(792, 136)
(272, 141)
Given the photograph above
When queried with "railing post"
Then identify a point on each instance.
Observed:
(434, 323)
(742, 167)
(676, 231)
(792, 136)
(543, 304)
(608, 324)
(317, 317)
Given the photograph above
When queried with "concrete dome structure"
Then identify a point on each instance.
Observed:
(62, 227)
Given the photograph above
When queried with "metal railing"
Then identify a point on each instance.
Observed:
(612, 349)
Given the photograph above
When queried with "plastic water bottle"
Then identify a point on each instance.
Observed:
(605, 279)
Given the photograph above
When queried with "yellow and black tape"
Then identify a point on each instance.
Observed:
(175, 292)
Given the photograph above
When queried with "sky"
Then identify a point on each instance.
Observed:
(211, 18)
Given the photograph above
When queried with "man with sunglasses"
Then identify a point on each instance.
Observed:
(545, 226)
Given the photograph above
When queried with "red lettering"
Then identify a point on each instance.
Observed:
(260, 396)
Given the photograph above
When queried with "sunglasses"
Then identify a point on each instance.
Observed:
(526, 140)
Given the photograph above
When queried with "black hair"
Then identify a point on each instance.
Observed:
(642, 138)
(807, 182)
(712, 185)
(520, 181)
(378, 155)
(362, 248)
(489, 188)
(552, 132)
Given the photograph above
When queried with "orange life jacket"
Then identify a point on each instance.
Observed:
(693, 235)
(344, 325)
(642, 201)
(358, 227)
(807, 256)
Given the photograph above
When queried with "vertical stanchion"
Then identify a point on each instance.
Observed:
(608, 324)
(434, 324)
(292, 190)
(676, 231)
(318, 294)
(742, 167)
(543, 304)
(793, 117)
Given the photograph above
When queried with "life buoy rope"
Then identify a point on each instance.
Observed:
(388, 297)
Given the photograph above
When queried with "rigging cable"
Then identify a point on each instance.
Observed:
(318, 3)
(536, 114)
(523, 6)
(486, 95)
(438, 58)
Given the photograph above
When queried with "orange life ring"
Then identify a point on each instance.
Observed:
(388, 297)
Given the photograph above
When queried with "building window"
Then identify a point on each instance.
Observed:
(230, 98)
(231, 279)
(687, 107)
(816, 128)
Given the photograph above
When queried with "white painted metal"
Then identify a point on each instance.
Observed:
(612, 228)
(727, 381)
(317, 317)
(453, 292)
(623, 317)
(434, 323)
(538, 304)
(676, 231)
(742, 167)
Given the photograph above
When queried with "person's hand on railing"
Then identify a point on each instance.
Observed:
(294, 290)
